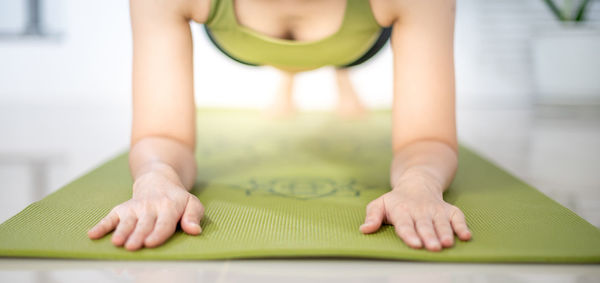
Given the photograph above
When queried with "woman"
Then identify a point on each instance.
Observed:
(163, 133)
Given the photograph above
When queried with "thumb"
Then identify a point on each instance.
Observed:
(190, 221)
(374, 217)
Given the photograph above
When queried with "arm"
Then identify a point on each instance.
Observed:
(424, 129)
(161, 158)
(163, 125)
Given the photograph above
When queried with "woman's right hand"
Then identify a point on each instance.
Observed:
(150, 217)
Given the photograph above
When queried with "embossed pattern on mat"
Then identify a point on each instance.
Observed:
(298, 188)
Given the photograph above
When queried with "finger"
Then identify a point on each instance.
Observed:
(107, 224)
(193, 213)
(142, 229)
(443, 230)
(405, 229)
(460, 225)
(374, 216)
(425, 230)
(163, 229)
(127, 222)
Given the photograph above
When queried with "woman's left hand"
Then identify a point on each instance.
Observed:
(420, 217)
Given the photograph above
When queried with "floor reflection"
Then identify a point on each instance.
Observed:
(289, 270)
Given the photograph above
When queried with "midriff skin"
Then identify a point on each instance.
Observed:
(163, 134)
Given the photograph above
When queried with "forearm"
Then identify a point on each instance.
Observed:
(430, 163)
(160, 154)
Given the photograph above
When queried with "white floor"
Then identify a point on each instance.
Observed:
(555, 149)
(290, 270)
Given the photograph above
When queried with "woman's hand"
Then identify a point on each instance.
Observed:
(420, 217)
(150, 217)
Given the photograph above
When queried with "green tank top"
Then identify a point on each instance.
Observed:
(358, 32)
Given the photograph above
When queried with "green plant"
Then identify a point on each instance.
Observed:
(569, 12)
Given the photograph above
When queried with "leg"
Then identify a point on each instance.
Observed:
(283, 106)
(349, 105)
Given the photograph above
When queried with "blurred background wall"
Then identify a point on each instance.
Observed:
(65, 83)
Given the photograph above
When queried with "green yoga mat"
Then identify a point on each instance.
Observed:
(298, 188)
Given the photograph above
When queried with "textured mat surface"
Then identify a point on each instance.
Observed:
(298, 189)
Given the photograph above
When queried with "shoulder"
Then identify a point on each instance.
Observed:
(383, 11)
(199, 10)
(196, 10)
(386, 12)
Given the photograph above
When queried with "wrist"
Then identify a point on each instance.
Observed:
(157, 169)
(417, 181)
(154, 166)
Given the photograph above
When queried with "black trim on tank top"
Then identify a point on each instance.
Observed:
(379, 43)
(214, 42)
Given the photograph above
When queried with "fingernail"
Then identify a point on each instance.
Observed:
(447, 239)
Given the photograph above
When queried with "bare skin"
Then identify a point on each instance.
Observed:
(283, 106)
(163, 132)
(348, 106)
